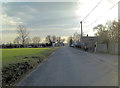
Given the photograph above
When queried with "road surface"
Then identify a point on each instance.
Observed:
(73, 67)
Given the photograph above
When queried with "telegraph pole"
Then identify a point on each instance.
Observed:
(81, 28)
(88, 15)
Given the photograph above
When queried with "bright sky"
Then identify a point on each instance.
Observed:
(54, 17)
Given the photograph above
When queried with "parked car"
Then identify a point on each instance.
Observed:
(72, 45)
(29, 46)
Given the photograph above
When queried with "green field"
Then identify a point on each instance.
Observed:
(15, 55)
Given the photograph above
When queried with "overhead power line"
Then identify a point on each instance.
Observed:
(92, 10)
(102, 15)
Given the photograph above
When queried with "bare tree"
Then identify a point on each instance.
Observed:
(36, 40)
(23, 33)
(48, 39)
(28, 40)
(62, 40)
(102, 33)
(107, 33)
(54, 38)
(76, 37)
(17, 40)
(70, 40)
(58, 39)
(113, 31)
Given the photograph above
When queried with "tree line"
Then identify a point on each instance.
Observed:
(108, 33)
(23, 40)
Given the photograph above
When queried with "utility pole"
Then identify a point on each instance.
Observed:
(81, 28)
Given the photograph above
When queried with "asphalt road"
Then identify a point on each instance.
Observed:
(73, 67)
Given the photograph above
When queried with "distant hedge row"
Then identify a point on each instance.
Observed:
(27, 45)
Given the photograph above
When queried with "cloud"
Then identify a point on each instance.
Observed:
(52, 17)
(10, 23)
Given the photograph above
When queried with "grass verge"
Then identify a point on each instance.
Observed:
(16, 62)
